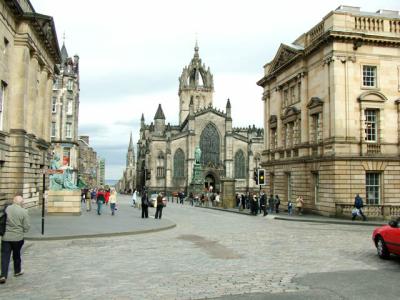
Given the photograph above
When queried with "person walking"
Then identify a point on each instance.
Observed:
(358, 204)
(254, 205)
(88, 201)
(134, 197)
(299, 205)
(217, 199)
(263, 203)
(113, 201)
(277, 203)
(100, 199)
(289, 207)
(243, 199)
(107, 195)
(271, 204)
(160, 206)
(145, 205)
(17, 224)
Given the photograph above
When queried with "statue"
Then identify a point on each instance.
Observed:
(197, 155)
(63, 180)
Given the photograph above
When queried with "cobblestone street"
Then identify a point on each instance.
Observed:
(209, 254)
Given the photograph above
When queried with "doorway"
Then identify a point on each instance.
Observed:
(209, 181)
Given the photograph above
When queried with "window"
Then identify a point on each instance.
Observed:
(69, 130)
(372, 188)
(315, 176)
(240, 165)
(292, 95)
(53, 129)
(69, 107)
(70, 85)
(289, 134)
(369, 76)
(179, 164)
(371, 128)
(274, 138)
(209, 145)
(285, 98)
(2, 99)
(317, 128)
(160, 165)
(299, 91)
(54, 105)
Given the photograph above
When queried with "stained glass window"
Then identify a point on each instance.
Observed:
(209, 145)
(179, 164)
(240, 165)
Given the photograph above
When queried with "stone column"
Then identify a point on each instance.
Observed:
(228, 193)
(33, 102)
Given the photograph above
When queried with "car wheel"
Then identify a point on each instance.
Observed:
(381, 248)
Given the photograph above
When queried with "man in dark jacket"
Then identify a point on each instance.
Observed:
(263, 203)
(145, 205)
(358, 203)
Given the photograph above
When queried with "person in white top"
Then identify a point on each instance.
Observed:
(113, 201)
(134, 197)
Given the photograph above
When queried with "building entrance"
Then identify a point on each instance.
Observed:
(209, 181)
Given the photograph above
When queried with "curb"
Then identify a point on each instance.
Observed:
(327, 221)
(98, 235)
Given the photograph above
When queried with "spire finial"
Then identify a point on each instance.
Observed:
(196, 48)
(64, 37)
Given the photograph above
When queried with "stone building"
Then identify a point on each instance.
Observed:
(65, 111)
(29, 54)
(101, 171)
(166, 152)
(128, 181)
(87, 162)
(332, 115)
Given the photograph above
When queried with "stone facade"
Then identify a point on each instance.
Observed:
(65, 112)
(165, 156)
(128, 181)
(30, 52)
(331, 107)
(87, 162)
(101, 171)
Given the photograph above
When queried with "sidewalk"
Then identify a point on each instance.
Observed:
(303, 218)
(126, 221)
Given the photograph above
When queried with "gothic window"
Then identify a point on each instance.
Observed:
(209, 145)
(179, 164)
(240, 165)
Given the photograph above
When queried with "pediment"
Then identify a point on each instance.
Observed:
(284, 54)
(372, 96)
(290, 114)
(315, 101)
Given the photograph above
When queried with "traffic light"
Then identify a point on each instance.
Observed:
(255, 176)
(261, 177)
(148, 174)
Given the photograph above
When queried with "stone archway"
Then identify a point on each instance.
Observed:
(209, 180)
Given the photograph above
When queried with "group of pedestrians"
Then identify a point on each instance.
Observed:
(160, 203)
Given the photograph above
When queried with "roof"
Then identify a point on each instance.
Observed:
(159, 113)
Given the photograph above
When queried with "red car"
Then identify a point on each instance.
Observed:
(387, 239)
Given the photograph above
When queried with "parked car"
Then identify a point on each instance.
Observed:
(387, 239)
(153, 200)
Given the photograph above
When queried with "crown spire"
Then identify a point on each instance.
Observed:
(130, 143)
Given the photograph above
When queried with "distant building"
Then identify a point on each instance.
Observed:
(101, 171)
(165, 156)
(331, 103)
(29, 54)
(87, 163)
(65, 112)
(128, 181)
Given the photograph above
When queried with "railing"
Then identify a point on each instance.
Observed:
(315, 32)
(375, 211)
(373, 148)
(368, 24)
(394, 26)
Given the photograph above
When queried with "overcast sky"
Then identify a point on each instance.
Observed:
(132, 53)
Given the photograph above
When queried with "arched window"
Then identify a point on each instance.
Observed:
(209, 145)
(179, 164)
(160, 165)
(240, 165)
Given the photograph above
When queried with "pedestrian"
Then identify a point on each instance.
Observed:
(17, 223)
(271, 204)
(134, 197)
(243, 199)
(254, 205)
(358, 205)
(191, 199)
(299, 205)
(145, 205)
(107, 195)
(217, 199)
(277, 203)
(263, 203)
(100, 199)
(181, 197)
(88, 201)
(289, 207)
(113, 201)
(160, 206)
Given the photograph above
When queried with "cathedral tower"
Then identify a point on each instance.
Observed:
(196, 84)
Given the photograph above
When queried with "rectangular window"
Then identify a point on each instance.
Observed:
(69, 130)
(369, 76)
(70, 85)
(372, 188)
(289, 135)
(69, 107)
(2, 100)
(315, 176)
(53, 129)
(160, 171)
(292, 95)
(54, 105)
(289, 186)
(273, 138)
(371, 125)
(285, 98)
(299, 91)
